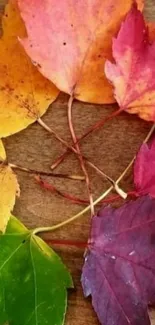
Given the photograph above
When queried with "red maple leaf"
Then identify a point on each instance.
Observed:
(144, 169)
(133, 72)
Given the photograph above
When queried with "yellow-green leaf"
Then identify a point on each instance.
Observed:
(33, 277)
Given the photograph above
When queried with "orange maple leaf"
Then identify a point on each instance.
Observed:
(71, 40)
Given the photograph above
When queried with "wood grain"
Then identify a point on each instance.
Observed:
(110, 148)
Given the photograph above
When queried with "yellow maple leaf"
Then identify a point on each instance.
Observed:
(2, 151)
(24, 93)
(9, 189)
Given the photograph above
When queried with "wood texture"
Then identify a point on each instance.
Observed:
(110, 148)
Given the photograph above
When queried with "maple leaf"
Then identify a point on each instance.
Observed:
(33, 281)
(24, 93)
(119, 269)
(133, 73)
(2, 151)
(9, 189)
(144, 169)
(70, 49)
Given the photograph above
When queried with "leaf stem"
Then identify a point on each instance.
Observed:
(51, 188)
(66, 243)
(81, 160)
(99, 199)
(50, 174)
(74, 199)
(75, 217)
(149, 134)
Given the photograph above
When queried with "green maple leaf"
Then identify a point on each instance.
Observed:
(33, 280)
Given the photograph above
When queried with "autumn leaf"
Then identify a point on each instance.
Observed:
(133, 72)
(24, 93)
(2, 151)
(33, 281)
(70, 49)
(9, 189)
(144, 169)
(119, 269)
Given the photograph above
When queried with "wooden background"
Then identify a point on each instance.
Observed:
(111, 149)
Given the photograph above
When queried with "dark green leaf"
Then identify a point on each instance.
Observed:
(33, 280)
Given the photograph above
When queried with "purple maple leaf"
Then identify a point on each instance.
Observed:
(119, 268)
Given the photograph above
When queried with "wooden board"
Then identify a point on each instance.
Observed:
(111, 149)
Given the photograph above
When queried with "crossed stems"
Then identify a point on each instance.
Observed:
(115, 185)
(78, 153)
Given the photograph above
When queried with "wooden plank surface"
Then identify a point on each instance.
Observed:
(110, 148)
